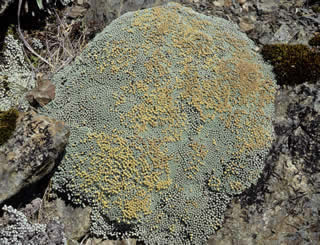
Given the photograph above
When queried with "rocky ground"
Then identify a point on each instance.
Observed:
(284, 207)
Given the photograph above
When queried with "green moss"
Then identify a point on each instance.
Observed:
(316, 8)
(11, 30)
(34, 60)
(293, 64)
(315, 41)
(7, 124)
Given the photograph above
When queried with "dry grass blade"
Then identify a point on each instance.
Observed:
(62, 48)
(25, 41)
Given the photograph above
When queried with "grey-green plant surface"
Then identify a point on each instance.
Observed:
(171, 115)
(15, 76)
(18, 230)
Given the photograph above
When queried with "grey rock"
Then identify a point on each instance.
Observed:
(283, 34)
(96, 241)
(268, 17)
(102, 12)
(246, 24)
(31, 209)
(267, 6)
(76, 220)
(30, 153)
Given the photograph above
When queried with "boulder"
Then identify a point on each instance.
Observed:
(76, 220)
(30, 153)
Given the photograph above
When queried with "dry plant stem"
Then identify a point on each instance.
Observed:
(84, 239)
(66, 37)
(44, 199)
(25, 41)
(65, 63)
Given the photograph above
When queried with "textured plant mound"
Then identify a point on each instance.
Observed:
(170, 115)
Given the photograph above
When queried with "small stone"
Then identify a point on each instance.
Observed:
(76, 11)
(43, 93)
(97, 241)
(228, 3)
(245, 26)
(283, 35)
(219, 3)
(241, 1)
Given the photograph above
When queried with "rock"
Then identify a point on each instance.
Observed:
(102, 12)
(267, 6)
(241, 1)
(283, 34)
(42, 94)
(76, 11)
(246, 25)
(96, 241)
(219, 3)
(76, 220)
(30, 153)
(31, 209)
(227, 3)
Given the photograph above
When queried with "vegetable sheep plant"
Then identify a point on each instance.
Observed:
(170, 114)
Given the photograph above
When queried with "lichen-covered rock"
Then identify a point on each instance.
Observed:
(170, 114)
(16, 229)
(30, 153)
